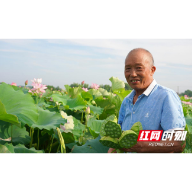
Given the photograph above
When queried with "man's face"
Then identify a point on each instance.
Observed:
(138, 71)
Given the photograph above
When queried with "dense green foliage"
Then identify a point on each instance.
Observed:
(58, 120)
(70, 120)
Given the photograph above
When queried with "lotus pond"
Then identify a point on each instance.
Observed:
(40, 120)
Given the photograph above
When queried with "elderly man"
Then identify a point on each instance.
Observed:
(155, 106)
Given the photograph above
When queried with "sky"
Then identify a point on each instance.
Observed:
(65, 61)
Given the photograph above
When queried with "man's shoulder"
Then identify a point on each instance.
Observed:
(165, 91)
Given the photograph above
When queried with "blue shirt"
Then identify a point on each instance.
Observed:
(158, 108)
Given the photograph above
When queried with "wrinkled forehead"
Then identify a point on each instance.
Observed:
(138, 57)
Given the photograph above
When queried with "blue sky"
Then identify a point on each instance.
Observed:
(60, 62)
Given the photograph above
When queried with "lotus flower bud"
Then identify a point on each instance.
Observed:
(14, 84)
(93, 102)
(82, 83)
(26, 82)
(87, 110)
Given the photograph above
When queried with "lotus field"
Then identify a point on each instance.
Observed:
(73, 120)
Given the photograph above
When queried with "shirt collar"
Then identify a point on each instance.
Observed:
(146, 92)
(150, 88)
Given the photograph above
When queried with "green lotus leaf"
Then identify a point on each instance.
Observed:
(74, 92)
(48, 120)
(122, 94)
(47, 93)
(67, 87)
(104, 92)
(90, 120)
(22, 149)
(117, 84)
(9, 147)
(96, 110)
(42, 103)
(4, 149)
(79, 128)
(137, 127)
(95, 93)
(15, 106)
(77, 103)
(60, 98)
(86, 95)
(188, 120)
(91, 146)
(19, 135)
(95, 127)
(68, 137)
(102, 102)
(8, 117)
(188, 147)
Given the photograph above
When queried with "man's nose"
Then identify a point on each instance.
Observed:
(133, 73)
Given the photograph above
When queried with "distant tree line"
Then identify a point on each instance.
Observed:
(107, 87)
(187, 92)
(51, 87)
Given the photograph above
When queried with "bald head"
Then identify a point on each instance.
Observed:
(149, 55)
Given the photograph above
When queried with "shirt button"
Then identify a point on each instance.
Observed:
(133, 112)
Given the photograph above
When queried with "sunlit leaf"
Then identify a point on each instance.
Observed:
(48, 120)
(117, 83)
(15, 106)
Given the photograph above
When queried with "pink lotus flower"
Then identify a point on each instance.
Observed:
(37, 87)
(187, 103)
(85, 89)
(19, 86)
(14, 84)
(95, 86)
(82, 83)
(186, 97)
(26, 82)
(37, 80)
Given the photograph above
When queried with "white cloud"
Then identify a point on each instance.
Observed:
(11, 50)
(18, 42)
(163, 51)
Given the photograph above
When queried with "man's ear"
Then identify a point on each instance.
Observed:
(153, 69)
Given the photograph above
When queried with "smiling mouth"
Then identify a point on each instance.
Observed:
(134, 81)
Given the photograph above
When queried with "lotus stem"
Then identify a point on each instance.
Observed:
(63, 150)
(52, 137)
(11, 133)
(82, 117)
(32, 131)
(36, 99)
(38, 140)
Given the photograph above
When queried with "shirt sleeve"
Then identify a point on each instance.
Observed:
(121, 113)
(172, 114)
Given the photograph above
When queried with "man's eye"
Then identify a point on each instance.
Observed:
(139, 68)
